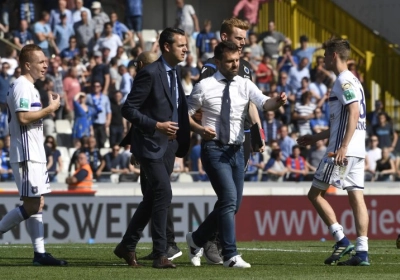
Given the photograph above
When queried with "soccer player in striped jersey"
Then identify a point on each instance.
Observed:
(347, 144)
(27, 154)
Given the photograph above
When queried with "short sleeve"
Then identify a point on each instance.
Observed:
(22, 98)
(349, 92)
(195, 99)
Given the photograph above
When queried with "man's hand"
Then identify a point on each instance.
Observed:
(54, 101)
(208, 133)
(282, 99)
(167, 128)
(306, 140)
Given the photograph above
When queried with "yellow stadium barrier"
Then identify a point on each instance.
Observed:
(377, 59)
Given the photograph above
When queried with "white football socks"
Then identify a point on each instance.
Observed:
(35, 229)
(362, 244)
(336, 231)
(12, 219)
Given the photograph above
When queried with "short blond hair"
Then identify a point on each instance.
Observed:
(26, 52)
(228, 25)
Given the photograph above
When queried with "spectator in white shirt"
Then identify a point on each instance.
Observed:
(296, 73)
(79, 8)
(109, 40)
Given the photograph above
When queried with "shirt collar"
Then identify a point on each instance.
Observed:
(166, 65)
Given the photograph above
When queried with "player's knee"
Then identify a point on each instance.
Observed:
(313, 195)
(33, 205)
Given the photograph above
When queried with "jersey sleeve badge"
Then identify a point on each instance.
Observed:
(348, 91)
(23, 103)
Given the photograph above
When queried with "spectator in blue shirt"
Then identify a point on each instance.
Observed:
(318, 123)
(305, 50)
(62, 32)
(22, 36)
(27, 11)
(55, 14)
(3, 121)
(43, 35)
(101, 123)
(204, 38)
(4, 82)
(72, 50)
(286, 142)
(5, 165)
(133, 15)
(126, 81)
(121, 30)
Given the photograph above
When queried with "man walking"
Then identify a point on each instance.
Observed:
(27, 155)
(156, 108)
(223, 99)
(347, 141)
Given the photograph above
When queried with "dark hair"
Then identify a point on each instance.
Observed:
(113, 61)
(108, 24)
(295, 147)
(72, 37)
(275, 153)
(54, 146)
(339, 46)
(224, 46)
(167, 36)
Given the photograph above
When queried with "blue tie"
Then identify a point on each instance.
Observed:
(224, 130)
(172, 80)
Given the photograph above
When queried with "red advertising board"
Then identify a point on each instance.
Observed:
(294, 218)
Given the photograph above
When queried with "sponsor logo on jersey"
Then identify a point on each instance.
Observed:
(245, 76)
(24, 103)
(246, 70)
(346, 86)
(349, 94)
(34, 189)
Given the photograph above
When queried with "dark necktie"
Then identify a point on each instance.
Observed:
(224, 130)
(172, 80)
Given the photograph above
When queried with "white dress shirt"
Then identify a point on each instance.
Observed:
(207, 95)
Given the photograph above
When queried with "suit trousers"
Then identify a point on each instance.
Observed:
(155, 204)
(170, 223)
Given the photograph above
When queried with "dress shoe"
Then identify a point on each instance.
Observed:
(130, 257)
(163, 262)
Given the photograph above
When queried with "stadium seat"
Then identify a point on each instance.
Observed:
(63, 126)
(104, 151)
(185, 178)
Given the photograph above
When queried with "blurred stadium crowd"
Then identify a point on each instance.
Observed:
(92, 65)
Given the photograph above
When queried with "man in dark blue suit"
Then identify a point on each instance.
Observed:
(157, 109)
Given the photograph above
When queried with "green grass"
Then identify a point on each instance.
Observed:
(269, 260)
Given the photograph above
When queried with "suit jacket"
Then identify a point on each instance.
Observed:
(150, 102)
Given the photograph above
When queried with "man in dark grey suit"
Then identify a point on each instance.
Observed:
(157, 109)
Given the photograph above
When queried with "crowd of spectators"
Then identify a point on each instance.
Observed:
(92, 65)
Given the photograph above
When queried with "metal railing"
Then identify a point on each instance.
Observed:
(320, 20)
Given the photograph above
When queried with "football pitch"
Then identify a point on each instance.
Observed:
(269, 260)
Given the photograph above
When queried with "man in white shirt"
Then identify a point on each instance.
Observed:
(223, 99)
(79, 8)
(347, 142)
(27, 154)
(374, 154)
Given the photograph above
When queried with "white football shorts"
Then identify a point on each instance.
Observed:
(31, 178)
(349, 177)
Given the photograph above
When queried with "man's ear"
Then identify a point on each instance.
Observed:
(167, 47)
(224, 36)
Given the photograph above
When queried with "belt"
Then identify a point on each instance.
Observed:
(221, 144)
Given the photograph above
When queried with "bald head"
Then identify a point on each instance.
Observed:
(147, 57)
